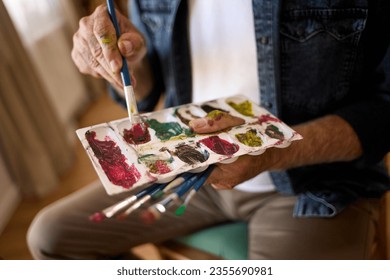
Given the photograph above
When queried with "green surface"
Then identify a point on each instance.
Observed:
(229, 241)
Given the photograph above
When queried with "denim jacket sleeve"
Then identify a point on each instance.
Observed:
(370, 116)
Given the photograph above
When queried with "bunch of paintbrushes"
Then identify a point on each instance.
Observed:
(181, 189)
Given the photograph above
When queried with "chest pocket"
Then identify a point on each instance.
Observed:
(318, 54)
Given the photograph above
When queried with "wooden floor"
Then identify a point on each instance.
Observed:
(13, 240)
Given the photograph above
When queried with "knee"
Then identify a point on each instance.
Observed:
(44, 234)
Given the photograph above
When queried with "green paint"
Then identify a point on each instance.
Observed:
(274, 132)
(180, 211)
(189, 132)
(244, 108)
(165, 131)
(158, 195)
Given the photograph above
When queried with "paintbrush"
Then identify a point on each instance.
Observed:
(195, 188)
(154, 212)
(172, 185)
(139, 203)
(114, 209)
(131, 102)
(155, 194)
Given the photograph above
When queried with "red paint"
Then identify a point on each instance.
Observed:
(210, 122)
(138, 134)
(148, 217)
(160, 167)
(113, 162)
(268, 118)
(97, 217)
(220, 146)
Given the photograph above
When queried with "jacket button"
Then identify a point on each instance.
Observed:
(268, 104)
(264, 40)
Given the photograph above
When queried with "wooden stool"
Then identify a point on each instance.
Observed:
(227, 241)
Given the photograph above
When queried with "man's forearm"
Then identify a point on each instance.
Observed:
(328, 139)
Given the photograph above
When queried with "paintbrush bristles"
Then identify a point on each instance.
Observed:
(131, 107)
(112, 210)
(154, 212)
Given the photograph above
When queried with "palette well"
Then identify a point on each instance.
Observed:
(126, 158)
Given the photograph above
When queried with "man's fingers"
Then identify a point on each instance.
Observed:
(132, 46)
(106, 39)
(95, 46)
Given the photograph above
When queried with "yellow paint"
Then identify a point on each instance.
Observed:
(106, 41)
(244, 108)
(215, 114)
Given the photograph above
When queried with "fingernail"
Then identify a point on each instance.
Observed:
(198, 123)
(114, 66)
(126, 47)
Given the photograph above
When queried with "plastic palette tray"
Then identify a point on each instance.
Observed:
(173, 148)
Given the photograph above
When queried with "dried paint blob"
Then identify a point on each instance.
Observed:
(113, 162)
(249, 138)
(274, 132)
(156, 164)
(244, 108)
(180, 112)
(208, 108)
(216, 115)
(215, 121)
(268, 118)
(138, 134)
(191, 154)
(220, 146)
(181, 117)
(165, 131)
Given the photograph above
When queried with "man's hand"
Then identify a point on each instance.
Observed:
(227, 176)
(97, 50)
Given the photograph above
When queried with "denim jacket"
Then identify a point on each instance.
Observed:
(314, 58)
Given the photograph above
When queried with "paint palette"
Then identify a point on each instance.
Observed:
(126, 158)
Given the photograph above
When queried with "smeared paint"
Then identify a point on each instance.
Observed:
(165, 131)
(216, 115)
(181, 117)
(250, 138)
(268, 118)
(112, 161)
(274, 132)
(208, 108)
(188, 132)
(215, 121)
(220, 146)
(97, 217)
(190, 154)
(184, 120)
(138, 134)
(107, 40)
(244, 108)
(156, 164)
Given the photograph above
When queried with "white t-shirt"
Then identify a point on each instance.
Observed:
(224, 63)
